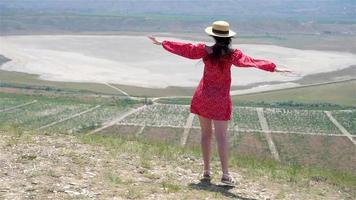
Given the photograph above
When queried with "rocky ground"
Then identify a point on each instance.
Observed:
(53, 166)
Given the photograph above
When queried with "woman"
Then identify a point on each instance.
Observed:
(211, 100)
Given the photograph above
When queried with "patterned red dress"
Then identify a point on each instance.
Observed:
(212, 97)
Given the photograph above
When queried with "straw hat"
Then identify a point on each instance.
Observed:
(220, 29)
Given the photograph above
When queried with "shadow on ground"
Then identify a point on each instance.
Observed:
(223, 189)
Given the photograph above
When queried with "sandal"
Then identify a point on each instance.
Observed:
(206, 176)
(228, 179)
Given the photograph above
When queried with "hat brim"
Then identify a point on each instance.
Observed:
(209, 31)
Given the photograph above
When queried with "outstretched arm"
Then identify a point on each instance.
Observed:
(240, 59)
(186, 50)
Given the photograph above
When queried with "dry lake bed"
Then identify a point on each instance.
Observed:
(135, 61)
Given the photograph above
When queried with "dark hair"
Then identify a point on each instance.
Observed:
(222, 46)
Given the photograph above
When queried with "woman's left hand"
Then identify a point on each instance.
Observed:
(154, 40)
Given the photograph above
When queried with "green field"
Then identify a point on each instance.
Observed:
(160, 115)
(347, 118)
(309, 121)
(59, 114)
(343, 93)
(73, 114)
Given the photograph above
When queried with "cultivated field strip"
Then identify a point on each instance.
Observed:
(31, 115)
(244, 118)
(17, 106)
(37, 114)
(342, 129)
(52, 113)
(159, 115)
(314, 121)
(7, 102)
(68, 118)
(117, 119)
(347, 118)
(88, 120)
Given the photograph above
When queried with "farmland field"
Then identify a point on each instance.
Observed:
(346, 118)
(6, 102)
(309, 121)
(165, 123)
(250, 144)
(243, 118)
(322, 151)
(59, 114)
(88, 121)
(169, 135)
(126, 131)
(160, 115)
(38, 114)
(193, 139)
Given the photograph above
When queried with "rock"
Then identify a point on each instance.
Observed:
(66, 186)
(91, 174)
(73, 183)
(71, 192)
(30, 189)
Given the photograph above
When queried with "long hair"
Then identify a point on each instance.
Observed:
(221, 47)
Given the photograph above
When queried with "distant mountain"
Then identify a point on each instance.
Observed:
(256, 16)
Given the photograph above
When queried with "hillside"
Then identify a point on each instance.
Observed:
(57, 166)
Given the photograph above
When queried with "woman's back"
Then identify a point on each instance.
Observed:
(217, 71)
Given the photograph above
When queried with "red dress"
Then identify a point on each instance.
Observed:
(212, 97)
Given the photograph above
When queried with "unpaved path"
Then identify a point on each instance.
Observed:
(265, 128)
(187, 127)
(340, 127)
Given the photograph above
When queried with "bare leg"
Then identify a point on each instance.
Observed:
(206, 133)
(222, 142)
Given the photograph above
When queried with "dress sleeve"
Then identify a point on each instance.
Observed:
(186, 50)
(241, 60)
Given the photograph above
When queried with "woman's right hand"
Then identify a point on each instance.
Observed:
(287, 72)
(154, 40)
(283, 69)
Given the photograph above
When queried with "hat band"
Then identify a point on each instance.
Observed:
(220, 32)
